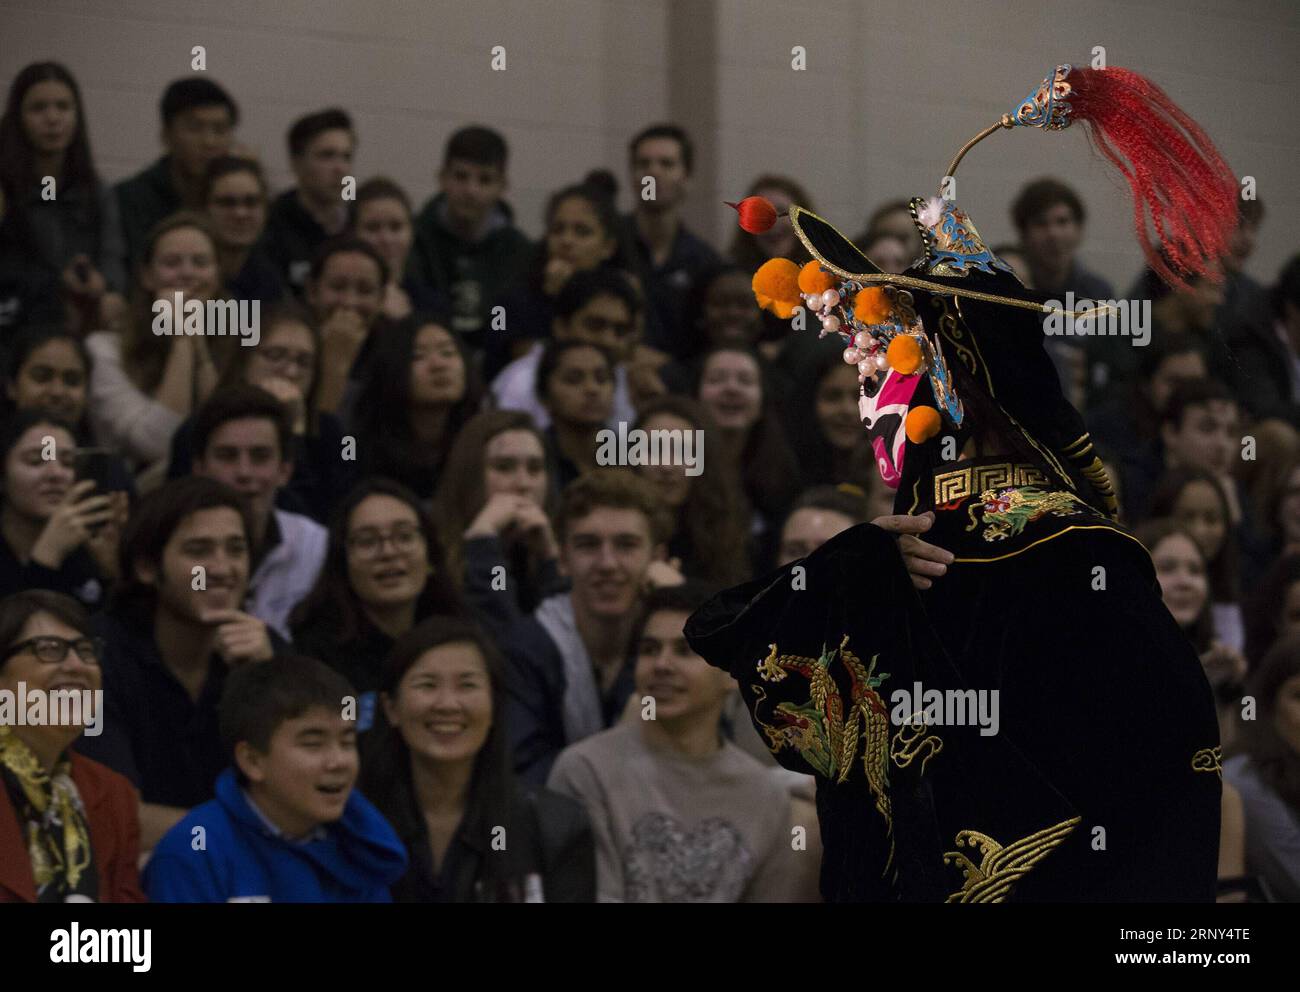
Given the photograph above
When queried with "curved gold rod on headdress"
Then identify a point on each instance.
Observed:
(1006, 121)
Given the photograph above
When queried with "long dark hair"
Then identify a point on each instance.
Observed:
(817, 457)
(1222, 571)
(602, 204)
(715, 517)
(1264, 609)
(1275, 761)
(386, 758)
(32, 338)
(333, 604)
(382, 411)
(17, 165)
(1150, 533)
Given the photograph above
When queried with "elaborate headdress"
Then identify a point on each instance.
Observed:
(959, 320)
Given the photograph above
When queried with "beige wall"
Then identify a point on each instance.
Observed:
(892, 89)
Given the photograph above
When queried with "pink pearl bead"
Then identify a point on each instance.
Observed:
(863, 340)
(882, 362)
(852, 356)
(814, 301)
(867, 367)
(831, 324)
(830, 297)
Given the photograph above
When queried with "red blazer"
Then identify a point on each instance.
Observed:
(112, 811)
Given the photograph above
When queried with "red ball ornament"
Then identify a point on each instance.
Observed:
(756, 214)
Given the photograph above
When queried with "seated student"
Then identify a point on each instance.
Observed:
(1199, 428)
(242, 439)
(321, 145)
(680, 813)
(439, 771)
(583, 232)
(285, 362)
(345, 289)
(63, 252)
(142, 384)
(598, 306)
(1266, 771)
(466, 242)
(49, 369)
(383, 220)
(286, 824)
(495, 501)
(68, 825)
(55, 532)
(234, 197)
(172, 633)
(575, 382)
(383, 574)
(568, 664)
(711, 519)
(198, 122)
(418, 389)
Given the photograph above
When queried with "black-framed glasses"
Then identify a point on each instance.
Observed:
(369, 543)
(52, 650)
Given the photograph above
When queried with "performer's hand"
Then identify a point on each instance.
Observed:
(924, 562)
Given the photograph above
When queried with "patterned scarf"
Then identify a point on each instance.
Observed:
(53, 821)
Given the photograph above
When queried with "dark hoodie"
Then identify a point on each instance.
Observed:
(354, 859)
(472, 275)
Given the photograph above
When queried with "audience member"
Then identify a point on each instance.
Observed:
(466, 242)
(68, 825)
(569, 673)
(418, 391)
(143, 384)
(345, 291)
(242, 438)
(670, 255)
(301, 219)
(383, 220)
(575, 383)
(1265, 371)
(60, 239)
(599, 306)
(383, 573)
(286, 824)
(495, 502)
(173, 631)
(893, 219)
(440, 772)
(680, 814)
(235, 199)
(198, 123)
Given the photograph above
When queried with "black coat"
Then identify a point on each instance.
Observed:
(1101, 782)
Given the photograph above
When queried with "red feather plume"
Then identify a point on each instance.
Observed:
(1182, 187)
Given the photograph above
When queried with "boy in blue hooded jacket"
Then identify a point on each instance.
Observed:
(286, 824)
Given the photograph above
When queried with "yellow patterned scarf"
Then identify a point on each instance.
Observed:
(53, 820)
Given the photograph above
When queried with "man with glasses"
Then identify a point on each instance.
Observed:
(242, 438)
(174, 628)
(598, 306)
(198, 125)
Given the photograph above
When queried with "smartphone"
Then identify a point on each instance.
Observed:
(96, 464)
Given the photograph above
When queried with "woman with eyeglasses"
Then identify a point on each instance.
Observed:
(285, 362)
(383, 574)
(234, 196)
(69, 831)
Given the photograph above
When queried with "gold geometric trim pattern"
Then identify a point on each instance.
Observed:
(1208, 759)
(1000, 867)
(971, 481)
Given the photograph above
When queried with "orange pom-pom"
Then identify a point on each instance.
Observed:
(904, 354)
(756, 213)
(813, 280)
(776, 286)
(921, 424)
(871, 305)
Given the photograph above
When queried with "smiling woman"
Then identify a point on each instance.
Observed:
(68, 826)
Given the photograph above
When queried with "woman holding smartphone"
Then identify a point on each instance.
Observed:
(56, 532)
